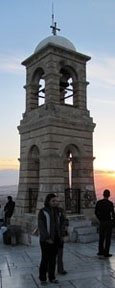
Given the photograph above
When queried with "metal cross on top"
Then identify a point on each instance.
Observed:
(54, 28)
(54, 24)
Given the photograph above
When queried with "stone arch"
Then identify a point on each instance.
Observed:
(38, 84)
(69, 68)
(71, 165)
(71, 154)
(74, 144)
(33, 167)
(67, 87)
(37, 74)
(31, 143)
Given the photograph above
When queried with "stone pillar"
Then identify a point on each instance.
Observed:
(52, 93)
(31, 96)
(86, 181)
(51, 178)
(79, 99)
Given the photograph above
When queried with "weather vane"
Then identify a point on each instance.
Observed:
(54, 24)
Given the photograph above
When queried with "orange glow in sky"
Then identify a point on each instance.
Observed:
(104, 180)
(9, 164)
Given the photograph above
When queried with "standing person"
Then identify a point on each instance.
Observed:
(63, 221)
(50, 238)
(104, 211)
(9, 209)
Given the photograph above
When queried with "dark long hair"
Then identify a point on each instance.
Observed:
(48, 198)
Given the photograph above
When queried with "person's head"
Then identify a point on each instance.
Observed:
(51, 200)
(9, 198)
(106, 193)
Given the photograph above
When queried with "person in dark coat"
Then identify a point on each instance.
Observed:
(9, 209)
(104, 211)
(64, 221)
(49, 225)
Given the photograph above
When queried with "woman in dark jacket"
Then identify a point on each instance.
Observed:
(50, 228)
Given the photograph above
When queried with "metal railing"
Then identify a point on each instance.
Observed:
(72, 200)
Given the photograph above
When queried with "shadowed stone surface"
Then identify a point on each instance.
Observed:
(19, 266)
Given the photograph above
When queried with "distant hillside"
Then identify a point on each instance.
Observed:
(9, 177)
(13, 189)
(6, 191)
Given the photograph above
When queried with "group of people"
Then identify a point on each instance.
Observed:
(51, 223)
(7, 212)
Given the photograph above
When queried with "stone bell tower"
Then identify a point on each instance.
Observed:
(56, 147)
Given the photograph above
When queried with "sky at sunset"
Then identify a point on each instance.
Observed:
(90, 25)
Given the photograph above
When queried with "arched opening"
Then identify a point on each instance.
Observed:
(66, 87)
(39, 86)
(68, 173)
(41, 92)
(70, 169)
(71, 179)
(33, 180)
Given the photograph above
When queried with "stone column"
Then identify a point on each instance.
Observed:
(31, 97)
(79, 99)
(52, 93)
(86, 180)
(51, 178)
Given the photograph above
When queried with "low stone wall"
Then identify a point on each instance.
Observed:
(29, 239)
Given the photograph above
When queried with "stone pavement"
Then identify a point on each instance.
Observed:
(19, 267)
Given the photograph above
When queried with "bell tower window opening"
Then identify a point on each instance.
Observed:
(70, 168)
(68, 99)
(66, 88)
(41, 92)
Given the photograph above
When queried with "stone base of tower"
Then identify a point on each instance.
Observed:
(80, 229)
(29, 223)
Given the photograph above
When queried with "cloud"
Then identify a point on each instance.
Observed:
(11, 64)
(100, 172)
(11, 163)
(105, 101)
(102, 69)
(111, 172)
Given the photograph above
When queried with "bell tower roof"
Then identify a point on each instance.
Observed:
(56, 40)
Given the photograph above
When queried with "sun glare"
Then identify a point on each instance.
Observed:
(112, 174)
(107, 164)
